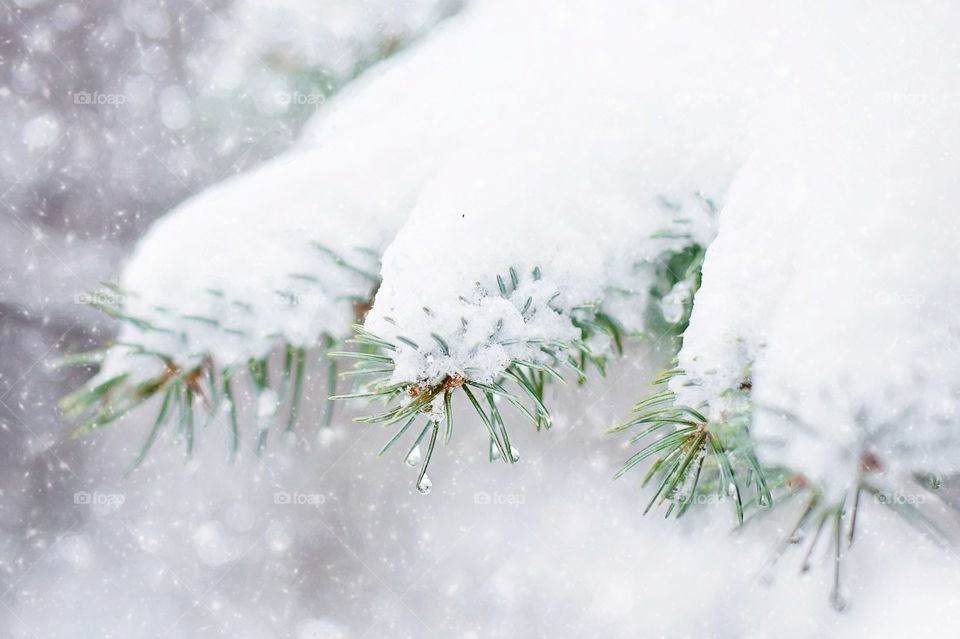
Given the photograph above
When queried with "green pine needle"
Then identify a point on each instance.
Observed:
(692, 456)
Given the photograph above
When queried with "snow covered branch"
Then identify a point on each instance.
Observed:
(526, 230)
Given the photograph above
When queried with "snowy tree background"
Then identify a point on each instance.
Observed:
(115, 112)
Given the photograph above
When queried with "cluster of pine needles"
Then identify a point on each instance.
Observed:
(522, 384)
(693, 458)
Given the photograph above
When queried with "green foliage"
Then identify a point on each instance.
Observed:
(186, 393)
(698, 460)
(694, 458)
(201, 382)
(197, 386)
(521, 385)
(832, 523)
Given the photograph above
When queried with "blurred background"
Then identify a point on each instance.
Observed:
(111, 113)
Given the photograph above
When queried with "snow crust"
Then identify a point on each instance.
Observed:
(576, 230)
(255, 260)
(832, 285)
(586, 182)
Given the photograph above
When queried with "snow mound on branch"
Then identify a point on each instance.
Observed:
(256, 259)
(237, 269)
(831, 144)
(832, 283)
(588, 184)
(568, 226)
(367, 155)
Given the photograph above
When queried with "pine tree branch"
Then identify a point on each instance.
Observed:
(697, 460)
(521, 383)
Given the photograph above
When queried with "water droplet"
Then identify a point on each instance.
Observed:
(515, 454)
(413, 459)
(763, 501)
(935, 482)
(838, 602)
(424, 486)
(732, 490)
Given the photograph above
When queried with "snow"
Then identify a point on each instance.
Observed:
(830, 156)
(289, 290)
(566, 139)
(272, 277)
(800, 136)
(513, 186)
(830, 285)
(321, 193)
(442, 269)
